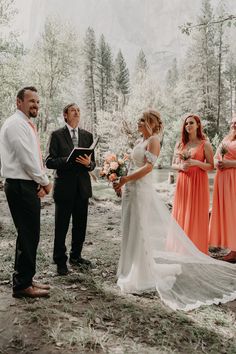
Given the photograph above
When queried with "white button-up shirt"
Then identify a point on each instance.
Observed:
(19, 150)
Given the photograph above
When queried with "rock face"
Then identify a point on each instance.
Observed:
(130, 25)
(152, 25)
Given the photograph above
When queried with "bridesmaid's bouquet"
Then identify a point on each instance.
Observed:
(114, 167)
(184, 155)
(223, 150)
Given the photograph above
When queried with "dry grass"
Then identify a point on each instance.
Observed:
(86, 313)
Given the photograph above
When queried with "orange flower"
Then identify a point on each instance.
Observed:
(102, 173)
(112, 177)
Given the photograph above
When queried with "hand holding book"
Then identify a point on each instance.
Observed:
(78, 152)
(84, 160)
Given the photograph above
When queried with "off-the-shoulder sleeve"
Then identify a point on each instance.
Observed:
(151, 158)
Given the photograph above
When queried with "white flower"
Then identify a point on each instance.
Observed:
(114, 165)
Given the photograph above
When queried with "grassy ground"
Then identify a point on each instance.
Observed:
(86, 313)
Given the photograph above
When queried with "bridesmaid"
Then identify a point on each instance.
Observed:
(193, 157)
(222, 222)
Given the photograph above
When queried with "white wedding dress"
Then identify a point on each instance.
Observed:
(156, 253)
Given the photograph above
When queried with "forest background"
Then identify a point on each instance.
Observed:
(67, 64)
(115, 58)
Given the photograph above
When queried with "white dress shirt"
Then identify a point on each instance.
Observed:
(19, 150)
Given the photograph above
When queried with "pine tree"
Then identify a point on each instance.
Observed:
(199, 87)
(141, 66)
(172, 112)
(221, 51)
(104, 75)
(110, 83)
(89, 54)
(230, 74)
(100, 73)
(121, 80)
(172, 76)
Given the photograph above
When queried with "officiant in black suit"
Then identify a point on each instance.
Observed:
(72, 188)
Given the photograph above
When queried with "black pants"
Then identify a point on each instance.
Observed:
(78, 209)
(24, 206)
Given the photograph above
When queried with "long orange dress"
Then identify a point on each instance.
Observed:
(191, 201)
(222, 231)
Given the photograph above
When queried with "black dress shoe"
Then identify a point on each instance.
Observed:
(62, 269)
(80, 262)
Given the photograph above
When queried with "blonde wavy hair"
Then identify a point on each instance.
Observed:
(153, 122)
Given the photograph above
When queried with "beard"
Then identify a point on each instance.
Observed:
(33, 113)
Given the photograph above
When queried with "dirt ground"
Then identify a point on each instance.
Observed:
(86, 313)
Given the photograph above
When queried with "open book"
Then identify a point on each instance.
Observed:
(81, 151)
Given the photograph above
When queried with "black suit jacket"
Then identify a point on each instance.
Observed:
(70, 178)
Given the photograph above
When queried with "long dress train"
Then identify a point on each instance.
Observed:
(184, 277)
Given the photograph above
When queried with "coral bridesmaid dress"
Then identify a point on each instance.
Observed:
(191, 201)
(222, 232)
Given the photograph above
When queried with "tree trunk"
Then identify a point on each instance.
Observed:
(219, 82)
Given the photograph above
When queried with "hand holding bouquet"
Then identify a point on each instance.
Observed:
(223, 150)
(184, 155)
(221, 163)
(114, 168)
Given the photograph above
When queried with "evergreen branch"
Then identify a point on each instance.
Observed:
(188, 27)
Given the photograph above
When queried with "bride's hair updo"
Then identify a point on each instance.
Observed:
(153, 122)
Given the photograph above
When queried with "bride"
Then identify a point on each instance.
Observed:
(155, 252)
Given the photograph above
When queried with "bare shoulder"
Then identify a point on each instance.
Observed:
(154, 140)
(154, 144)
(207, 145)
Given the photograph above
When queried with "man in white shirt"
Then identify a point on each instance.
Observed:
(26, 182)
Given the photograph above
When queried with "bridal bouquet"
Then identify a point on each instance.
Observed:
(114, 167)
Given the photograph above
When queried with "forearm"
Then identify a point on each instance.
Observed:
(205, 166)
(55, 163)
(176, 166)
(31, 165)
(231, 164)
(37, 175)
